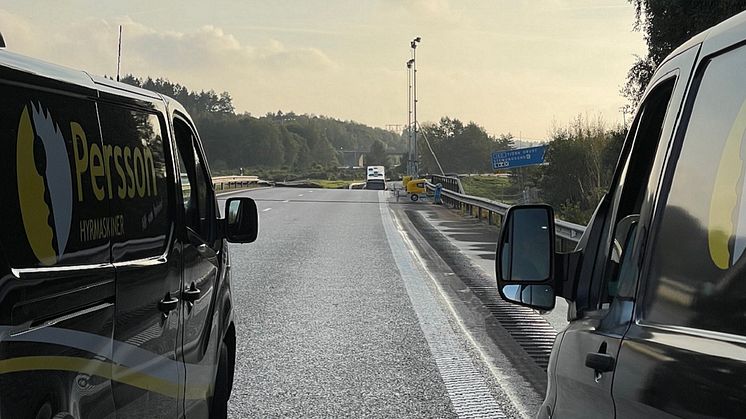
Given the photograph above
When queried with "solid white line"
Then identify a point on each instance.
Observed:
(500, 375)
(266, 209)
(465, 385)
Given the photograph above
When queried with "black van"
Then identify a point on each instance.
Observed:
(115, 294)
(657, 284)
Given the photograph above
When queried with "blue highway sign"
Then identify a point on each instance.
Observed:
(520, 157)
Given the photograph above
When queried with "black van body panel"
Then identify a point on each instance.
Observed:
(91, 249)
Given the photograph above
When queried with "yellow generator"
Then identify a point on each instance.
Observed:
(415, 188)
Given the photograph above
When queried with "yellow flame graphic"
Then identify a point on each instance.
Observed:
(34, 209)
(726, 195)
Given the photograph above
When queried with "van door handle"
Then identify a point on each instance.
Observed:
(600, 362)
(168, 303)
(191, 294)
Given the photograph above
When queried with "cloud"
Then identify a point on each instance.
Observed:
(262, 76)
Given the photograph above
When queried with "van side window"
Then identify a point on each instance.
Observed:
(135, 181)
(698, 270)
(621, 272)
(197, 193)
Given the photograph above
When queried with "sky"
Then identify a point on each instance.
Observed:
(518, 66)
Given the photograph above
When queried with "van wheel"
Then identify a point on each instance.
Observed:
(219, 408)
(414, 197)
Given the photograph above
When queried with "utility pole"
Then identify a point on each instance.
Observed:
(410, 159)
(416, 162)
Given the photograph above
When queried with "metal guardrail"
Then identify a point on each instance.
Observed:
(568, 234)
(222, 183)
(450, 183)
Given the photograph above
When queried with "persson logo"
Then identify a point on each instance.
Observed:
(47, 224)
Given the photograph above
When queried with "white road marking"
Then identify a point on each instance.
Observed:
(266, 209)
(287, 200)
(300, 195)
(466, 387)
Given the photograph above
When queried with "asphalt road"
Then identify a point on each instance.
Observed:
(335, 318)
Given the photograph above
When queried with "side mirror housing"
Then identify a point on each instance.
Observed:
(525, 257)
(241, 220)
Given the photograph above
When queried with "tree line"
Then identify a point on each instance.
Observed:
(288, 141)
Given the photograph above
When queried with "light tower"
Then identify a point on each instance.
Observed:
(410, 155)
(415, 156)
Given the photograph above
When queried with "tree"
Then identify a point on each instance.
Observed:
(459, 147)
(666, 24)
(582, 157)
(377, 154)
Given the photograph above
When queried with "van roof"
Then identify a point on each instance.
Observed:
(730, 31)
(66, 75)
(45, 69)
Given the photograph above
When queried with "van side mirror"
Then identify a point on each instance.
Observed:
(241, 220)
(525, 257)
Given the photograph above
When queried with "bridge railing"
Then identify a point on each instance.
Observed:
(568, 234)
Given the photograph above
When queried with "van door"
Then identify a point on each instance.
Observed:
(201, 261)
(139, 182)
(56, 278)
(587, 356)
(685, 355)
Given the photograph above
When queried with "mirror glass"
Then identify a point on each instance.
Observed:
(537, 296)
(232, 214)
(241, 220)
(530, 245)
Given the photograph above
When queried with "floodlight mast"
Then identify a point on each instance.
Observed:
(415, 156)
(410, 169)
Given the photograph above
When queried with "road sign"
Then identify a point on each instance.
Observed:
(520, 157)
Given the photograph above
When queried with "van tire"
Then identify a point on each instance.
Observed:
(219, 408)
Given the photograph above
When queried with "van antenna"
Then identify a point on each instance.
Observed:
(2, 41)
(119, 52)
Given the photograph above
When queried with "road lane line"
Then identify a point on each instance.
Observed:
(515, 390)
(466, 387)
(266, 209)
(300, 195)
(287, 200)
